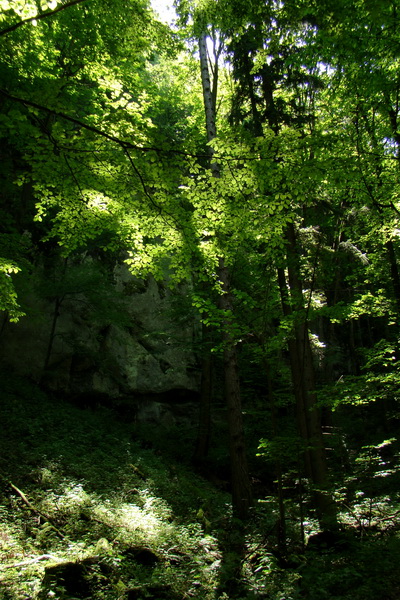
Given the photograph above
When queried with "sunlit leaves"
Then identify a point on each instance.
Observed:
(8, 295)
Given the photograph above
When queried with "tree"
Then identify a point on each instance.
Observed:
(67, 58)
(240, 481)
(270, 75)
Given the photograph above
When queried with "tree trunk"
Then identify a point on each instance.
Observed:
(281, 525)
(240, 480)
(241, 486)
(394, 271)
(56, 313)
(203, 435)
(303, 377)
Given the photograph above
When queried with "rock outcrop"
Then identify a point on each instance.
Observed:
(137, 346)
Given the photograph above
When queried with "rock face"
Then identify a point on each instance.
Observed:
(144, 347)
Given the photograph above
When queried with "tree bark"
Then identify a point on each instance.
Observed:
(241, 486)
(240, 480)
(203, 435)
(303, 378)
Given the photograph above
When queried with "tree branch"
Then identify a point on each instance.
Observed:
(49, 13)
(31, 561)
(124, 144)
(72, 120)
(32, 508)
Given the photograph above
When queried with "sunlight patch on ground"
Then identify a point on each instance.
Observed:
(133, 518)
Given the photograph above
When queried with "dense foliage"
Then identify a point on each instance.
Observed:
(250, 154)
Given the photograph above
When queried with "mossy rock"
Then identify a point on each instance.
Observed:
(74, 579)
(141, 555)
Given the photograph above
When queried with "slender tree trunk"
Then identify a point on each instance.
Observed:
(4, 322)
(56, 314)
(240, 480)
(281, 526)
(203, 435)
(394, 271)
(241, 486)
(393, 116)
(302, 368)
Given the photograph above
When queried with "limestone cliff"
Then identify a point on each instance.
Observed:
(137, 345)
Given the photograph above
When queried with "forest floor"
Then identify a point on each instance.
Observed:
(93, 507)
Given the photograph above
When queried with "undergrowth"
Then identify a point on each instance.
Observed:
(91, 509)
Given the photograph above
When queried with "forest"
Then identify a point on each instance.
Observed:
(199, 298)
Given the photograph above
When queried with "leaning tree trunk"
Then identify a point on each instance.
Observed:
(240, 480)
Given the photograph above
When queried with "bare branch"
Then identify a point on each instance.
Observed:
(31, 561)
